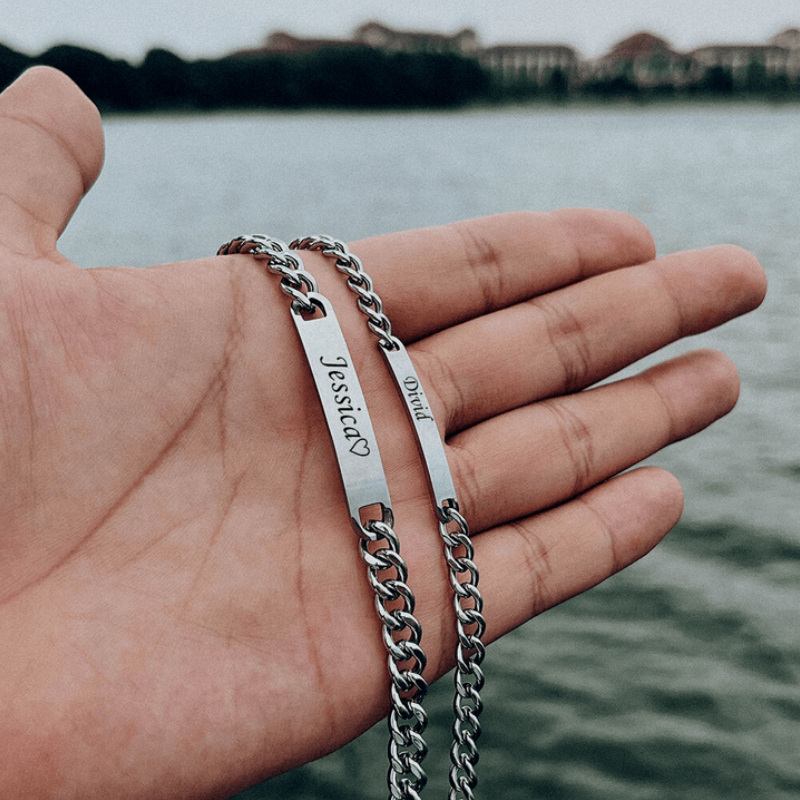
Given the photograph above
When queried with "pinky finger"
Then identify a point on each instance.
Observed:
(533, 564)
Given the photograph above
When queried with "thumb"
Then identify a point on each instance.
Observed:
(51, 152)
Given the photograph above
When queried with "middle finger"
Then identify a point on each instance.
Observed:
(566, 340)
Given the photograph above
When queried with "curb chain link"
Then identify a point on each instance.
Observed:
(459, 554)
(401, 634)
(295, 281)
(349, 264)
(470, 651)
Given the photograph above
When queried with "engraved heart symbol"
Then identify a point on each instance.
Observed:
(360, 448)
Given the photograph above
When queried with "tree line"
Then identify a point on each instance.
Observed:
(347, 77)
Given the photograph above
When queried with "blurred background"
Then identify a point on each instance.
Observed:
(679, 677)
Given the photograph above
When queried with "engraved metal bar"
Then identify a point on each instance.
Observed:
(345, 410)
(419, 412)
(453, 528)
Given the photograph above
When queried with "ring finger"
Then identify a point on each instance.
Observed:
(571, 338)
(536, 457)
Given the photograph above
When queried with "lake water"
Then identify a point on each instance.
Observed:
(680, 677)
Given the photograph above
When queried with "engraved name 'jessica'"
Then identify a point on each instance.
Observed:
(344, 405)
(416, 399)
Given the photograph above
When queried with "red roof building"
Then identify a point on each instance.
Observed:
(374, 34)
(645, 59)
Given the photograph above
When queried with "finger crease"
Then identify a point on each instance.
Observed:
(672, 433)
(566, 336)
(606, 531)
(454, 406)
(574, 252)
(40, 250)
(538, 569)
(683, 326)
(467, 469)
(576, 438)
(484, 263)
(54, 137)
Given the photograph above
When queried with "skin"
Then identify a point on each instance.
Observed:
(183, 609)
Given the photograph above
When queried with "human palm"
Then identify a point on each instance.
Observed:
(183, 609)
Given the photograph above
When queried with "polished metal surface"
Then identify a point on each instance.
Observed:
(345, 410)
(453, 528)
(419, 413)
(295, 281)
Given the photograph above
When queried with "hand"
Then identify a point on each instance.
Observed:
(183, 609)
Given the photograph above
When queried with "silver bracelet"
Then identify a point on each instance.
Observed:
(365, 487)
(459, 552)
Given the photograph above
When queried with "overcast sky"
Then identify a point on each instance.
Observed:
(194, 28)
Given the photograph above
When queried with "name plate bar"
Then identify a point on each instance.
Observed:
(345, 410)
(419, 412)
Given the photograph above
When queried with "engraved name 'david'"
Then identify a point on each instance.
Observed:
(344, 405)
(416, 399)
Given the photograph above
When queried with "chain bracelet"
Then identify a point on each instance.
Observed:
(365, 485)
(295, 281)
(401, 637)
(453, 528)
(349, 264)
(470, 650)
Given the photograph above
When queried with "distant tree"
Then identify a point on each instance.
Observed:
(166, 81)
(718, 80)
(370, 78)
(755, 79)
(112, 84)
(619, 86)
(441, 80)
(463, 80)
(247, 81)
(780, 87)
(12, 64)
(350, 77)
(557, 86)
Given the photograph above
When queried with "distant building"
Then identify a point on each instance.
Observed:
(377, 36)
(779, 56)
(373, 34)
(644, 59)
(741, 60)
(790, 39)
(282, 42)
(532, 63)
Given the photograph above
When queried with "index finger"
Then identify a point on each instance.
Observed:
(433, 278)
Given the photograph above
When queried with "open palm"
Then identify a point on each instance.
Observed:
(183, 609)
